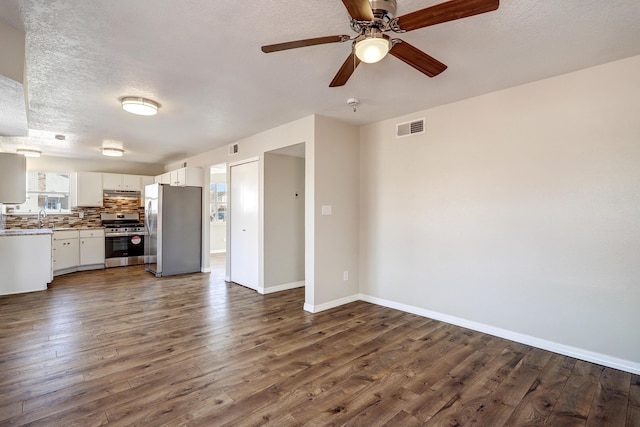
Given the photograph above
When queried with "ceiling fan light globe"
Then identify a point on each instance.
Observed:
(372, 50)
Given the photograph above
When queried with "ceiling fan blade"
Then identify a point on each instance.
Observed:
(447, 11)
(417, 59)
(303, 43)
(359, 10)
(345, 71)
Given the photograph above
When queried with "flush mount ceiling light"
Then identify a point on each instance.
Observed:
(139, 106)
(112, 151)
(372, 46)
(28, 152)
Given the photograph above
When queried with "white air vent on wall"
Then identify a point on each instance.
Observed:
(409, 128)
(233, 149)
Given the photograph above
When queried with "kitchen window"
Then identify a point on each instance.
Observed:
(48, 191)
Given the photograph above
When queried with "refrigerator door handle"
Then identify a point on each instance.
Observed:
(148, 218)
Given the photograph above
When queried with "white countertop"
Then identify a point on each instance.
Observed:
(36, 231)
(25, 231)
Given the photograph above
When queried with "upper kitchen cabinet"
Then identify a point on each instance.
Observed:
(183, 177)
(13, 178)
(86, 189)
(146, 180)
(165, 178)
(116, 181)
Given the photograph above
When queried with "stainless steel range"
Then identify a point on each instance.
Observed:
(124, 237)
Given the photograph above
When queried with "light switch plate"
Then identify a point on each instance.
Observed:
(326, 210)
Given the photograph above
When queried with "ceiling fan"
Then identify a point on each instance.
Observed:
(372, 18)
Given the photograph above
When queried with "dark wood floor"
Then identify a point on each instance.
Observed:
(120, 347)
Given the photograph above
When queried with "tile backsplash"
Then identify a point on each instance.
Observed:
(91, 215)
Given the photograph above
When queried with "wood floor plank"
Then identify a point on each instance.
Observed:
(503, 400)
(574, 404)
(609, 407)
(462, 406)
(449, 387)
(120, 347)
(536, 405)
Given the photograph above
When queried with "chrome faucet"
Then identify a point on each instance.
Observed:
(41, 216)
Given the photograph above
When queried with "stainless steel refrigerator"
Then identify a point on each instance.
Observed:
(173, 218)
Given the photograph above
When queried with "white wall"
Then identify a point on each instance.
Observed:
(335, 166)
(331, 178)
(285, 135)
(283, 222)
(64, 164)
(292, 133)
(517, 212)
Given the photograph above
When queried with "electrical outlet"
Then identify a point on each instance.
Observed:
(345, 275)
(80, 214)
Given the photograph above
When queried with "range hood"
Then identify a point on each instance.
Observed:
(122, 193)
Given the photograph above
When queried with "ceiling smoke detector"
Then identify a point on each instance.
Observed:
(353, 103)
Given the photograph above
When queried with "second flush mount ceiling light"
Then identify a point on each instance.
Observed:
(112, 151)
(139, 106)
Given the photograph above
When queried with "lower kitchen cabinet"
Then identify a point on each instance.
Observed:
(75, 250)
(25, 261)
(91, 248)
(66, 251)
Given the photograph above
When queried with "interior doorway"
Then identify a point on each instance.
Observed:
(218, 214)
(284, 218)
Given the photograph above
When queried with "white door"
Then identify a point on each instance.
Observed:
(244, 224)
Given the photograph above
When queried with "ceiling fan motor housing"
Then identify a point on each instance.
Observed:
(383, 8)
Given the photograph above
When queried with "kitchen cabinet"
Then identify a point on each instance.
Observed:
(145, 180)
(116, 181)
(183, 177)
(75, 250)
(91, 248)
(66, 251)
(13, 178)
(165, 178)
(25, 264)
(191, 177)
(86, 189)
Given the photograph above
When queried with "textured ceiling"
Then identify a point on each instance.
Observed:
(201, 60)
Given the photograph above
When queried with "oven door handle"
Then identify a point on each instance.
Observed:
(128, 234)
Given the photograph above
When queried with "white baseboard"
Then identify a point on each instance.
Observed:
(283, 287)
(218, 251)
(331, 304)
(578, 353)
(205, 270)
